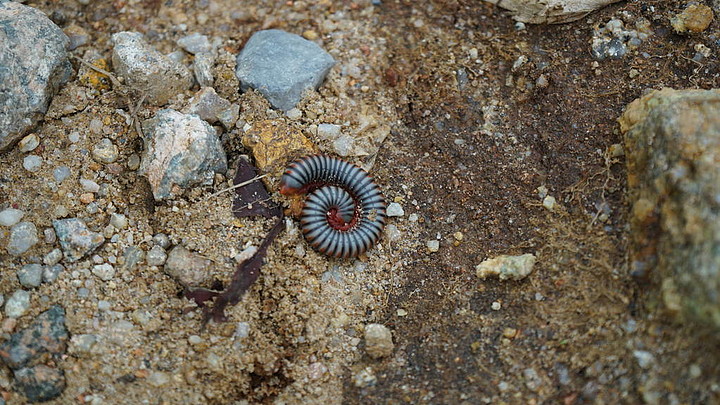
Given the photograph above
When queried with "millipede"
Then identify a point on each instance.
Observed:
(344, 211)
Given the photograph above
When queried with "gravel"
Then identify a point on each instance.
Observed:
(395, 210)
(105, 151)
(32, 163)
(156, 256)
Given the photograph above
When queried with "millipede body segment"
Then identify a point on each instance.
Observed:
(344, 212)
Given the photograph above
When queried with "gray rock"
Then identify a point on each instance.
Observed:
(33, 66)
(147, 70)
(61, 173)
(202, 68)
(195, 43)
(45, 335)
(672, 146)
(23, 236)
(181, 151)
(40, 383)
(213, 108)
(17, 304)
(10, 216)
(76, 240)
(395, 210)
(118, 221)
(32, 163)
(188, 268)
(30, 275)
(282, 66)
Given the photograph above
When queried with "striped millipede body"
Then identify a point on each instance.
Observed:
(344, 211)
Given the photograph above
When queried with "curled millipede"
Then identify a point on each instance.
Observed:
(344, 211)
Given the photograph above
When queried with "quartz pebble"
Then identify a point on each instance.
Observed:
(433, 245)
(195, 43)
(105, 271)
(53, 257)
(61, 173)
(23, 236)
(32, 163)
(17, 304)
(395, 210)
(89, 186)
(30, 275)
(10, 216)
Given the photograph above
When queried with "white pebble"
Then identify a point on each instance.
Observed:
(246, 254)
(74, 137)
(156, 256)
(10, 216)
(32, 163)
(119, 221)
(328, 131)
(61, 173)
(413, 217)
(495, 306)
(549, 203)
(433, 245)
(105, 271)
(392, 233)
(395, 210)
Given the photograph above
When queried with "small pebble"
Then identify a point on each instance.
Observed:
(51, 273)
(162, 240)
(10, 216)
(458, 236)
(30, 275)
(61, 173)
(378, 340)
(53, 257)
(74, 137)
(87, 198)
(495, 306)
(17, 304)
(401, 312)
(246, 254)
(89, 186)
(105, 271)
(23, 236)
(105, 151)
(119, 221)
(158, 378)
(50, 236)
(433, 245)
(645, 359)
(392, 233)
(156, 256)
(32, 163)
(195, 43)
(328, 131)
(395, 210)
(133, 162)
(413, 217)
(549, 203)
(294, 114)
(29, 143)
(104, 305)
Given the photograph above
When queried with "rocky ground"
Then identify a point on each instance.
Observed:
(495, 138)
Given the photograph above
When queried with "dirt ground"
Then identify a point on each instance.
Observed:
(473, 135)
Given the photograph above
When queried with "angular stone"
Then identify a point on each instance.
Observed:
(181, 151)
(147, 70)
(672, 147)
(33, 66)
(378, 340)
(46, 334)
(40, 383)
(76, 240)
(188, 268)
(274, 144)
(282, 66)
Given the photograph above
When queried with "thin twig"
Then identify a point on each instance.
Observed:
(244, 183)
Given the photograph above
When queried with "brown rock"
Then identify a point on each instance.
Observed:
(274, 144)
(695, 18)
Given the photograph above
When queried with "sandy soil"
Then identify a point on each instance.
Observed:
(472, 138)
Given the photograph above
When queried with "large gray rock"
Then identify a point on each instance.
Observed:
(282, 66)
(181, 151)
(672, 140)
(147, 70)
(33, 66)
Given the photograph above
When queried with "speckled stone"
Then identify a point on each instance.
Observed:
(76, 240)
(23, 236)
